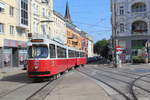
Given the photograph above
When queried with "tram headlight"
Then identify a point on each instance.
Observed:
(36, 67)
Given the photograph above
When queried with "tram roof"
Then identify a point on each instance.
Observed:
(49, 41)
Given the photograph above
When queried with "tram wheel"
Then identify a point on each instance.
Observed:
(58, 75)
(66, 71)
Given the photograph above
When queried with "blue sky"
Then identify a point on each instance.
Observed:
(92, 16)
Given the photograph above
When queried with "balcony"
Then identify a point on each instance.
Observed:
(139, 9)
(139, 32)
(139, 15)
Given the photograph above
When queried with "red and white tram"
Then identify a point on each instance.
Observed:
(48, 58)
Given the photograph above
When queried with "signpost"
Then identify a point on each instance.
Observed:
(119, 50)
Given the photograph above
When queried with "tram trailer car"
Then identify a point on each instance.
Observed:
(47, 58)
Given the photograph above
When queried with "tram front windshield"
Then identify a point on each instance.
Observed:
(38, 51)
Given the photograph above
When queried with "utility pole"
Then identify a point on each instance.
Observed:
(114, 35)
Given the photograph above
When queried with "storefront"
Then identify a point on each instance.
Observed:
(22, 57)
(13, 53)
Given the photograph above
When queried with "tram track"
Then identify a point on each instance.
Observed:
(31, 91)
(130, 84)
(11, 91)
(133, 84)
(126, 72)
(104, 82)
(45, 90)
(124, 75)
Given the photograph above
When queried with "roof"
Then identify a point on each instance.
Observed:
(67, 13)
(58, 15)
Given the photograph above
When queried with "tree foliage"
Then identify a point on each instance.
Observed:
(102, 48)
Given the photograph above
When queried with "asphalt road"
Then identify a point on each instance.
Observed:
(131, 82)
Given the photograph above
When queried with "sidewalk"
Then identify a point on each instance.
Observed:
(124, 65)
(74, 86)
(10, 71)
(135, 65)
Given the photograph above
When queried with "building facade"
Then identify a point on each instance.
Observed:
(90, 46)
(131, 23)
(59, 28)
(41, 18)
(73, 36)
(14, 24)
(84, 42)
(17, 19)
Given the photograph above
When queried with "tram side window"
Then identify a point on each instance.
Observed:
(52, 51)
(77, 54)
(71, 53)
(61, 52)
(81, 54)
(64, 53)
(74, 54)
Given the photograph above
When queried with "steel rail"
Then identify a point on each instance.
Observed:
(115, 89)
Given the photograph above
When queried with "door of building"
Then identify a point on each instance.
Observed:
(15, 58)
(22, 57)
(7, 57)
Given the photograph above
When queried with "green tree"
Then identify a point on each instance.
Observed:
(102, 48)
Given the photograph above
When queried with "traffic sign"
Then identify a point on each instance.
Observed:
(119, 49)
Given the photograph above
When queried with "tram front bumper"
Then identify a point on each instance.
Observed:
(39, 73)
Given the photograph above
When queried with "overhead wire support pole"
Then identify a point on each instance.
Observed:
(114, 36)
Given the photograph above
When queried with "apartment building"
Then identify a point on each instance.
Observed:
(14, 24)
(73, 36)
(41, 22)
(84, 42)
(90, 46)
(59, 28)
(131, 24)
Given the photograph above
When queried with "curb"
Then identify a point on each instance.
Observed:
(113, 95)
(6, 72)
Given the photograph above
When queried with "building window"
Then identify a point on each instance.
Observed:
(12, 29)
(121, 27)
(11, 11)
(1, 28)
(44, 12)
(35, 27)
(35, 9)
(139, 27)
(24, 12)
(139, 7)
(2, 7)
(121, 10)
(49, 14)
(43, 28)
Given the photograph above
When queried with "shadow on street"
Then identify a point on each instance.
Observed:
(20, 78)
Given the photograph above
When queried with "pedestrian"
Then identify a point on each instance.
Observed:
(25, 64)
